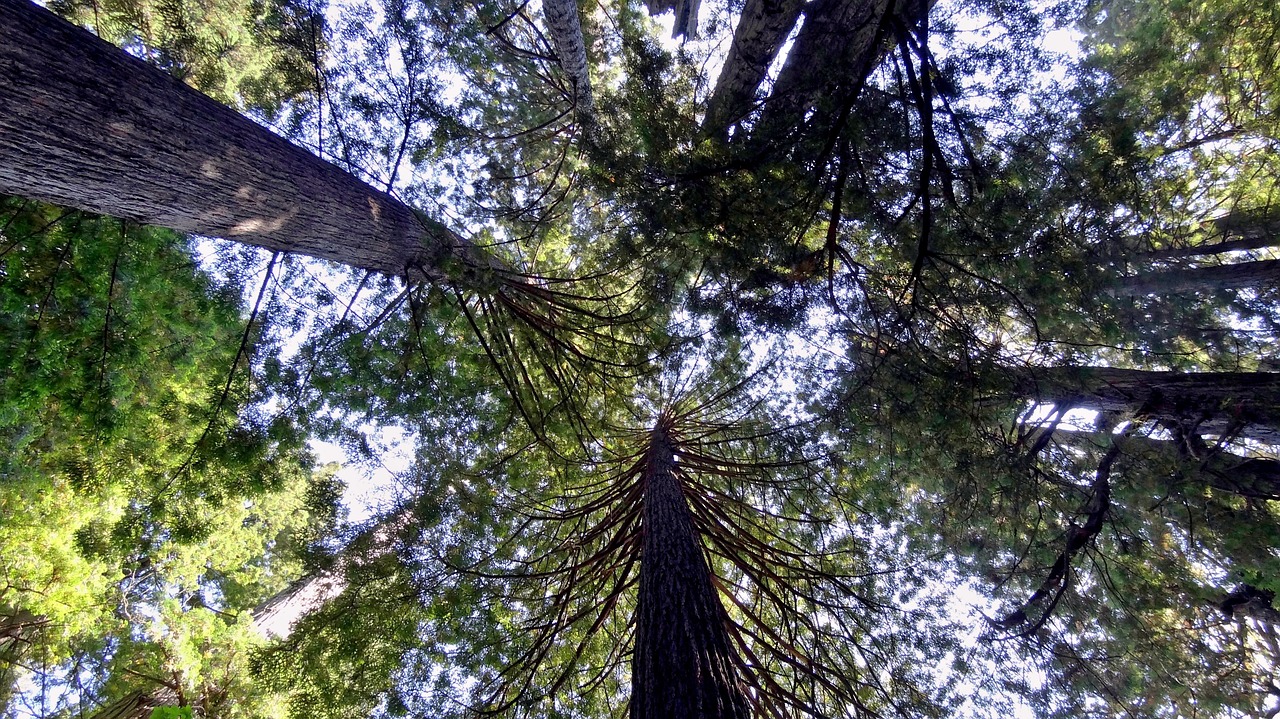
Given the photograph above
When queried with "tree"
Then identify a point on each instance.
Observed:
(147, 506)
(946, 235)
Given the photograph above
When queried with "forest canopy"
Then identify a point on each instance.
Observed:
(841, 358)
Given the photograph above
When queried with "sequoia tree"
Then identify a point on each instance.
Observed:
(937, 255)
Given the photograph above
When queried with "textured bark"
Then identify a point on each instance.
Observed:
(1262, 273)
(686, 15)
(1251, 477)
(137, 705)
(1237, 231)
(83, 124)
(1212, 403)
(565, 29)
(277, 615)
(761, 30)
(838, 46)
(683, 664)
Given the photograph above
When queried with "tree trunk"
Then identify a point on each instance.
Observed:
(838, 46)
(1213, 248)
(16, 627)
(565, 30)
(683, 666)
(85, 125)
(1250, 477)
(1206, 403)
(1239, 230)
(686, 23)
(1261, 274)
(762, 28)
(136, 705)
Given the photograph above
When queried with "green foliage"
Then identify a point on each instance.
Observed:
(250, 54)
(915, 258)
(141, 511)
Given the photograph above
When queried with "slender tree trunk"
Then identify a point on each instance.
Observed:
(565, 29)
(1212, 403)
(683, 665)
(1261, 273)
(85, 125)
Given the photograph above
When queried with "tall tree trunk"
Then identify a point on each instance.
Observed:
(1213, 403)
(1250, 477)
(1261, 273)
(838, 46)
(683, 666)
(686, 22)
(762, 28)
(1214, 248)
(85, 125)
(565, 29)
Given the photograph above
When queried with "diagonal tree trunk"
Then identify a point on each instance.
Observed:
(136, 705)
(761, 30)
(683, 664)
(1206, 403)
(838, 46)
(1241, 275)
(85, 125)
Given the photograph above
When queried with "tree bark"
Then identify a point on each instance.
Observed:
(683, 664)
(136, 705)
(1215, 248)
(1204, 403)
(686, 23)
(761, 30)
(1250, 477)
(85, 125)
(1261, 273)
(838, 46)
(565, 29)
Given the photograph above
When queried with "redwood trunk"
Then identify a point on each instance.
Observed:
(759, 34)
(839, 44)
(686, 20)
(1262, 273)
(85, 125)
(1215, 248)
(683, 665)
(137, 705)
(1239, 230)
(1214, 403)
